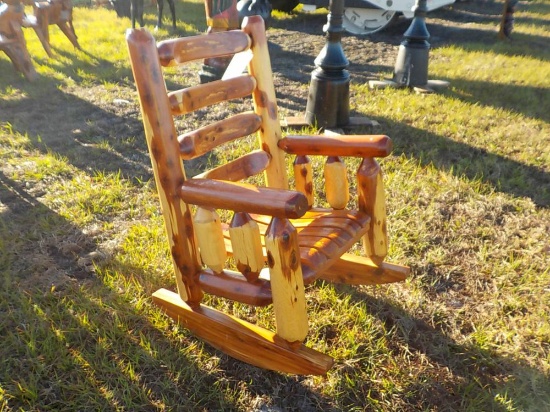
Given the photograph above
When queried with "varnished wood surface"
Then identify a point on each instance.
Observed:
(336, 183)
(359, 270)
(265, 103)
(241, 197)
(322, 237)
(303, 177)
(242, 340)
(342, 145)
(234, 286)
(372, 201)
(287, 283)
(296, 251)
(196, 97)
(198, 142)
(163, 147)
(247, 245)
(185, 49)
(245, 166)
(208, 230)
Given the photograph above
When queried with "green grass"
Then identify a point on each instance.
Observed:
(82, 245)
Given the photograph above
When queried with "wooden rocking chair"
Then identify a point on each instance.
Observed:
(272, 225)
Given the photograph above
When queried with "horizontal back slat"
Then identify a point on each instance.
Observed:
(177, 51)
(198, 142)
(239, 169)
(196, 97)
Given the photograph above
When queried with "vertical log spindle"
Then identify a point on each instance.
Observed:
(303, 176)
(372, 201)
(287, 285)
(336, 183)
(247, 245)
(208, 229)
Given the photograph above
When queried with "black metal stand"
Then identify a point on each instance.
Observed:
(328, 99)
(411, 67)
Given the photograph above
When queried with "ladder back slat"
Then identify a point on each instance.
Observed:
(176, 51)
(198, 142)
(196, 97)
(239, 169)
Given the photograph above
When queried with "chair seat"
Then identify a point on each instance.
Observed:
(323, 236)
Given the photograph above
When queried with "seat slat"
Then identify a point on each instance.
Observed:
(240, 168)
(324, 245)
(322, 237)
(193, 98)
(176, 51)
(328, 232)
(201, 141)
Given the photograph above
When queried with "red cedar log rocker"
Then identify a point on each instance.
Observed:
(277, 238)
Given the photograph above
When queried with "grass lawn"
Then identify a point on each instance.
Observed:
(82, 245)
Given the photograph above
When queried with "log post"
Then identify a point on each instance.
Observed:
(247, 245)
(287, 285)
(209, 233)
(372, 201)
(336, 183)
(303, 176)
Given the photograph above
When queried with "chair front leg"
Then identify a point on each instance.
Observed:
(287, 285)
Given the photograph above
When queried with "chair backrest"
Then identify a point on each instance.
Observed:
(168, 147)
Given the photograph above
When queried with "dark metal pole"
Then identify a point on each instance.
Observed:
(328, 99)
(411, 67)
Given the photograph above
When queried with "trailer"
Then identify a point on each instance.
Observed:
(361, 16)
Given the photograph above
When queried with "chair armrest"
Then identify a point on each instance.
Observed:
(344, 145)
(242, 197)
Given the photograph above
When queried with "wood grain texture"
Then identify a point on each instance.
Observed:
(234, 286)
(359, 270)
(168, 170)
(241, 168)
(372, 201)
(246, 245)
(342, 145)
(242, 340)
(336, 183)
(303, 177)
(198, 142)
(287, 284)
(208, 230)
(176, 51)
(196, 97)
(265, 103)
(242, 197)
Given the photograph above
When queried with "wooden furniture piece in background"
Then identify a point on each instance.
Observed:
(58, 12)
(221, 15)
(279, 240)
(12, 40)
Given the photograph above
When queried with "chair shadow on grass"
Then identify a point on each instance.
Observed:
(451, 375)
(71, 330)
(74, 329)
